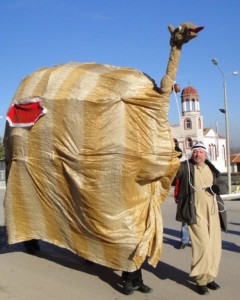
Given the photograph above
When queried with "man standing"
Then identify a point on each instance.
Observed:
(200, 206)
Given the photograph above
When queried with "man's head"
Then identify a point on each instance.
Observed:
(199, 153)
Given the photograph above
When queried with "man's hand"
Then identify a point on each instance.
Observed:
(214, 189)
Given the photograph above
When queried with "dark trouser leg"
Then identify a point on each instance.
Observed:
(133, 281)
(134, 277)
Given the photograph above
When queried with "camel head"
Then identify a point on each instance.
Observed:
(183, 33)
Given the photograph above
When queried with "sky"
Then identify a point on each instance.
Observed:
(132, 33)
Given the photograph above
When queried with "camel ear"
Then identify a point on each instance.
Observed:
(170, 28)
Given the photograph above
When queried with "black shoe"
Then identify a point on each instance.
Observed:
(202, 289)
(182, 245)
(213, 285)
(143, 288)
(128, 288)
(31, 246)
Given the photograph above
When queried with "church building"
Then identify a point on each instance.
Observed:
(191, 129)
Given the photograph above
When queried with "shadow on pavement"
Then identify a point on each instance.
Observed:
(230, 246)
(70, 260)
(165, 271)
(65, 258)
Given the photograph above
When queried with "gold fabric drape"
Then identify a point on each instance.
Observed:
(91, 173)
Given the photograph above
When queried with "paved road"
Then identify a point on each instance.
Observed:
(57, 274)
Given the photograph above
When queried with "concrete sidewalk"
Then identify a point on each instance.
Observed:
(57, 274)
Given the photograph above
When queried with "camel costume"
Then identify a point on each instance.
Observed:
(89, 175)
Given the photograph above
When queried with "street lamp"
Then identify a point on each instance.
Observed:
(225, 111)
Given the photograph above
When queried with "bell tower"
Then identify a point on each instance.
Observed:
(190, 102)
(191, 119)
(190, 129)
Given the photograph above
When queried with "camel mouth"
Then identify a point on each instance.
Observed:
(197, 29)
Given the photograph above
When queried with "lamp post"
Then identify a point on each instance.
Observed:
(222, 110)
(215, 62)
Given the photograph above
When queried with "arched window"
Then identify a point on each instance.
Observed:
(194, 107)
(212, 152)
(187, 105)
(189, 143)
(187, 124)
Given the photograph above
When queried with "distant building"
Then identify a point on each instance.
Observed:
(191, 129)
(235, 162)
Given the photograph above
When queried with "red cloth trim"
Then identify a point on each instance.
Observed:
(176, 188)
(25, 114)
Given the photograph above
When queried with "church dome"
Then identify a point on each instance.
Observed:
(189, 91)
